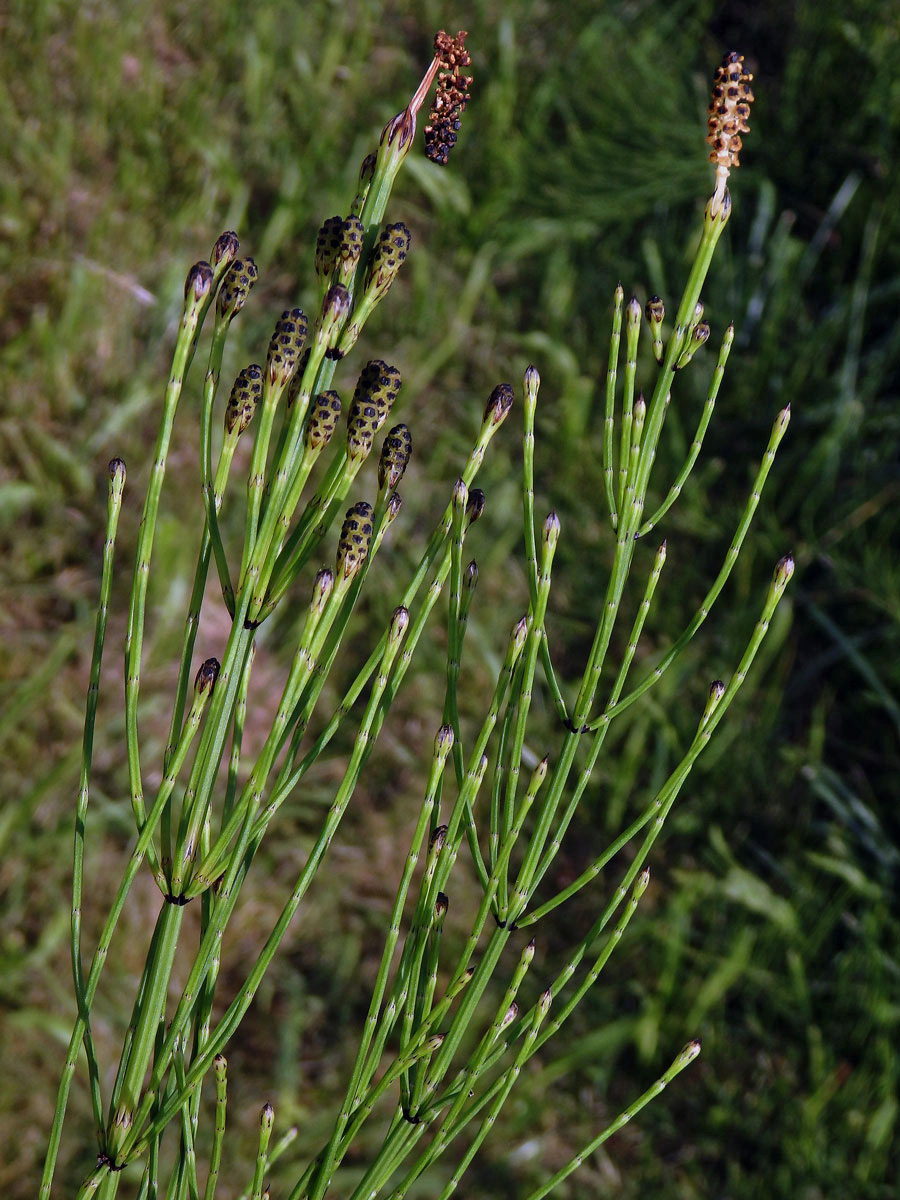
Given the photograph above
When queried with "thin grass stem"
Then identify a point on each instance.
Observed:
(697, 443)
(442, 745)
(266, 1121)
(198, 294)
(778, 431)
(220, 1067)
(610, 414)
(632, 334)
(687, 1055)
(114, 508)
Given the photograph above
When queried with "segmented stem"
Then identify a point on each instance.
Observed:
(195, 309)
(778, 431)
(632, 334)
(114, 508)
(697, 443)
(610, 415)
(220, 1067)
(687, 1055)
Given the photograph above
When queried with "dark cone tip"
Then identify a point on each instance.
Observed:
(199, 281)
(207, 675)
(395, 454)
(499, 403)
(475, 506)
(226, 247)
(355, 539)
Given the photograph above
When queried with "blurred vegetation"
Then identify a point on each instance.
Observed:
(133, 135)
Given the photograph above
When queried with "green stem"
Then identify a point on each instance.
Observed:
(687, 1055)
(532, 647)
(185, 345)
(100, 954)
(506, 1082)
(146, 1020)
(237, 737)
(266, 1120)
(632, 335)
(212, 536)
(778, 431)
(697, 443)
(114, 507)
(220, 1066)
(189, 638)
(442, 746)
(588, 769)
(241, 1003)
(610, 413)
(712, 231)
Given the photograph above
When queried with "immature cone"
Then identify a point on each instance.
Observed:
(475, 505)
(393, 509)
(699, 337)
(322, 588)
(399, 622)
(460, 497)
(335, 307)
(655, 312)
(690, 1052)
(550, 532)
(532, 382)
(117, 474)
(784, 569)
(244, 398)
(388, 255)
(540, 772)
(351, 244)
(355, 539)
(328, 244)
(199, 281)
(451, 97)
(499, 403)
(520, 633)
(207, 676)
(373, 398)
(729, 113)
(323, 418)
(395, 452)
(443, 740)
(639, 413)
(716, 692)
(226, 248)
(510, 1015)
(239, 279)
(286, 346)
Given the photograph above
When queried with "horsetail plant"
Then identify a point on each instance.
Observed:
(449, 1029)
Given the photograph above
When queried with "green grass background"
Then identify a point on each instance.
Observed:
(132, 135)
